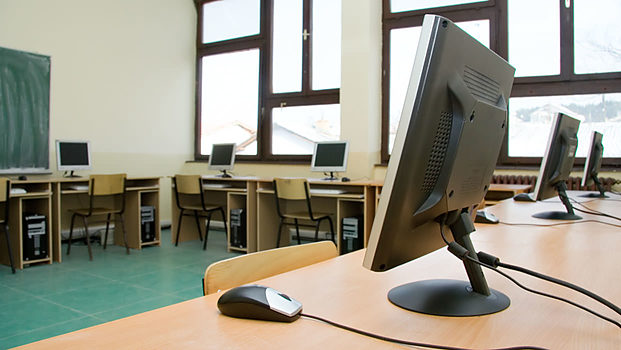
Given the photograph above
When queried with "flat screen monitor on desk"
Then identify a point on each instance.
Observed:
(72, 156)
(222, 158)
(592, 165)
(330, 157)
(451, 129)
(556, 165)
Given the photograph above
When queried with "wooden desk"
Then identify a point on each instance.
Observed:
(256, 195)
(342, 290)
(36, 200)
(70, 193)
(53, 198)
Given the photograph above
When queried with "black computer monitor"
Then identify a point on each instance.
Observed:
(330, 156)
(448, 140)
(222, 158)
(556, 165)
(592, 165)
(72, 155)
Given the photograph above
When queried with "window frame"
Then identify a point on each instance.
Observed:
(565, 83)
(267, 99)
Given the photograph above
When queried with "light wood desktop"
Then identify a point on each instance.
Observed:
(53, 197)
(341, 290)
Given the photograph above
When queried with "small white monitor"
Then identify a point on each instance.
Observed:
(73, 155)
(222, 157)
(330, 156)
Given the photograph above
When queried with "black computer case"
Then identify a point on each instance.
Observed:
(238, 228)
(352, 237)
(147, 223)
(35, 237)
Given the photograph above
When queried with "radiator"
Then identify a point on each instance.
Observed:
(573, 183)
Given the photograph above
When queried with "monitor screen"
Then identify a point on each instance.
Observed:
(448, 140)
(593, 163)
(556, 165)
(222, 156)
(73, 155)
(330, 156)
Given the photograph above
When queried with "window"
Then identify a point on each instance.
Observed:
(268, 76)
(566, 55)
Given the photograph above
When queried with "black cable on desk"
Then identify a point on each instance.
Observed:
(594, 212)
(462, 253)
(406, 342)
(558, 223)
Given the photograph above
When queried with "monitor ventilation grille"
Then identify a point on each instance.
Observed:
(438, 152)
(481, 86)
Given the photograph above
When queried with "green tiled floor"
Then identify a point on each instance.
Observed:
(47, 300)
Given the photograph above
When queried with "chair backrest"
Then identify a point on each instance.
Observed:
(251, 267)
(188, 184)
(106, 185)
(291, 188)
(5, 188)
(5, 191)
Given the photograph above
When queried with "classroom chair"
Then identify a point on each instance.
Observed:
(293, 203)
(251, 267)
(5, 191)
(191, 201)
(106, 197)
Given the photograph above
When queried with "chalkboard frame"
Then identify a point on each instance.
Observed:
(24, 112)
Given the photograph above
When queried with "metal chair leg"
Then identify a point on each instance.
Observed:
(207, 230)
(179, 227)
(106, 235)
(297, 231)
(122, 219)
(226, 230)
(8, 245)
(198, 225)
(279, 231)
(88, 238)
(331, 229)
(70, 234)
(317, 224)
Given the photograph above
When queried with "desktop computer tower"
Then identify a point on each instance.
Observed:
(147, 223)
(238, 228)
(352, 234)
(35, 238)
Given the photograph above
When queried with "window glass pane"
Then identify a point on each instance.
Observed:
(530, 119)
(409, 5)
(403, 44)
(326, 44)
(230, 19)
(287, 46)
(597, 36)
(296, 129)
(230, 100)
(534, 37)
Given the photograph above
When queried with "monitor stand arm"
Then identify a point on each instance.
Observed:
(569, 214)
(600, 187)
(461, 229)
(224, 174)
(71, 174)
(332, 177)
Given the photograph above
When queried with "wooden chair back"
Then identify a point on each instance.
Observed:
(291, 188)
(5, 188)
(106, 185)
(251, 267)
(188, 184)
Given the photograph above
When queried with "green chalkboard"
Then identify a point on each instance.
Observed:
(24, 112)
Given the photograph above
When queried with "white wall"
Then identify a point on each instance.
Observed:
(122, 76)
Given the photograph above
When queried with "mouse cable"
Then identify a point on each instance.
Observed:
(558, 223)
(406, 342)
(462, 253)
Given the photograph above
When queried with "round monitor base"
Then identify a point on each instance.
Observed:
(557, 215)
(447, 298)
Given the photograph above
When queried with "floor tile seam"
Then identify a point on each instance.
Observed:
(47, 326)
(127, 305)
(43, 298)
